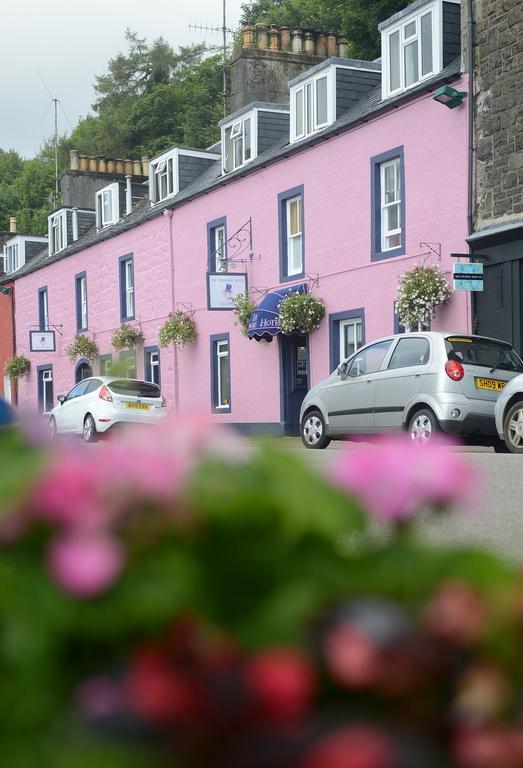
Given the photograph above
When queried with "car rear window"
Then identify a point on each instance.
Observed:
(134, 388)
(473, 350)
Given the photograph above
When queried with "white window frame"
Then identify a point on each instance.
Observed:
(83, 302)
(233, 134)
(47, 378)
(219, 249)
(164, 167)
(7, 389)
(129, 288)
(385, 206)
(12, 260)
(222, 351)
(356, 323)
(45, 313)
(154, 365)
(306, 91)
(57, 232)
(292, 270)
(436, 9)
(110, 193)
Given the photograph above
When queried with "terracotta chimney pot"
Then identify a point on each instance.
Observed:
(137, 168)
(274, 34)
(261, 36)
(12, 225)
(93, 164)
(321, 44)
(332, 45)
(145, 165)
(285, 38)
(84, 163)
(248, 34)
(102, 165)
(119, 165)
(297, 40)
(74, 159)
(110, 165)
(128, 166)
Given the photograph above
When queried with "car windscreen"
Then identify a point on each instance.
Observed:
(473, 350)
(134, 388)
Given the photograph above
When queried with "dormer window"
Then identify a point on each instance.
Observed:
(238, 143)
(108, 206)
(312, 104)
(57, 232)
(162, 178)
(12, 257)
(412, 46)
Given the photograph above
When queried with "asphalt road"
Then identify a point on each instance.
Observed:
(498, 522)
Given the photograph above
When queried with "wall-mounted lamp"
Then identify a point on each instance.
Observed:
(449, 96)
(4, 290)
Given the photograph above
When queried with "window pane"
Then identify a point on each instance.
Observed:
(370, 360)
(394, 61)
(247, 139)
(224, 383)
(426, 44)
(411, 63)
(228, 150)
(134, 388)
(393, 217)
(295, 255)
(321, 101)
(107, 198)
(390, 183)
(410, 352)
(299, 112)
(294, 213)
(238, 159)
(409, 30)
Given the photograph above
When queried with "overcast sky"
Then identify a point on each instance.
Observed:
(69, 42)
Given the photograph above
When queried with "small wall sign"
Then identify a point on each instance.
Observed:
(468, 277)
(42, 341)
(222, 289)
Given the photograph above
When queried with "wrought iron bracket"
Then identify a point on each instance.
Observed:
(238, 247)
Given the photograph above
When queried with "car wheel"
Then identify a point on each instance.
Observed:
(89, 431)
(313, 430)
(513, 428)
(53, 431)
(422, 426)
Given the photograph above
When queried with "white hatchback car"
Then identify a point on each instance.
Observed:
(96, 404)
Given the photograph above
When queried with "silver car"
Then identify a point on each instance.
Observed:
(509, 415)
(418, 382)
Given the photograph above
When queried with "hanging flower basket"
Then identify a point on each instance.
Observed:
(179, 329)
(421, 291)
(244, 306)
(17, 367)
(301, 313)
(82, 346)
(126, 337)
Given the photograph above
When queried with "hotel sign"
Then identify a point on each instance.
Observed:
(42, 341)
(223, 288)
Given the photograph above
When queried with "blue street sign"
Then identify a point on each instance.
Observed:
(468, 277)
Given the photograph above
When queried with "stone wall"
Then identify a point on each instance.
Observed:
(498, 110)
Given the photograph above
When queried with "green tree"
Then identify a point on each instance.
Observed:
(357, 19)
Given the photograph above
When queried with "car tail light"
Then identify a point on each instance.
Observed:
(454, 370)
(163, 403)
(104, 394)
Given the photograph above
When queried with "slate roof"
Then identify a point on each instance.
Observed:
(370, 106)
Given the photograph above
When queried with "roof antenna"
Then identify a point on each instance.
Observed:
(55, 140)
(224, 29)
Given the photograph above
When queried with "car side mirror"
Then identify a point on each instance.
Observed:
(61, 399)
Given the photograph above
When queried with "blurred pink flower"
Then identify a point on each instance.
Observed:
(396, 477)
(355, 746)
(85, 563)
(99, 697)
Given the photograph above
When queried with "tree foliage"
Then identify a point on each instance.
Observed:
(357, 19)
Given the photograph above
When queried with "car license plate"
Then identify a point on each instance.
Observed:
(494, 385)
(138, 406)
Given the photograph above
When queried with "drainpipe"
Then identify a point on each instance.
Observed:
(470, 181)
(169, 215)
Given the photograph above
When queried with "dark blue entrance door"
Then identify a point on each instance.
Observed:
(294, 373)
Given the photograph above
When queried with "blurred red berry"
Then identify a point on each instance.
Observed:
(156, 691)
(456, 613)
(352, 658)
(357, 746)
(489, 747)
(282, 682)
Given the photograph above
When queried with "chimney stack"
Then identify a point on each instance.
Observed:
(12, 225)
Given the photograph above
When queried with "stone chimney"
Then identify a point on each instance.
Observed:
(88, 174)
(270, 57)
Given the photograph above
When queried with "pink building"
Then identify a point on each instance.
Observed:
(361, 178)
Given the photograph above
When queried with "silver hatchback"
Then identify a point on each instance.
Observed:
(419, 382)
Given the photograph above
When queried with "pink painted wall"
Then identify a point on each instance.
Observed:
(336, 179)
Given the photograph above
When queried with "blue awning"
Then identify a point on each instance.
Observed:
(265, 320)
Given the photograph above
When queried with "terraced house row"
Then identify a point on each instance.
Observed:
(333, 182)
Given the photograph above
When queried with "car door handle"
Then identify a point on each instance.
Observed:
(368, 381)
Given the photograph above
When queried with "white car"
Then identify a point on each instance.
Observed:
(509, 415)
(96, 404)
